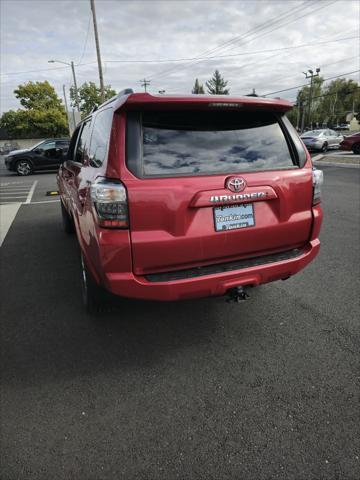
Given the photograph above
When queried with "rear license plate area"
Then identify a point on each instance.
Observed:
(234, 217)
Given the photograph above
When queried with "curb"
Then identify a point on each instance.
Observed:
(316, 162)
(331, 164)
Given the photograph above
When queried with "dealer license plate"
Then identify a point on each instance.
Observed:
(231, 217)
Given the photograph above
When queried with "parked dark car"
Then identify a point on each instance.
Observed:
(46, 155)
(178, 197)
(352, 142)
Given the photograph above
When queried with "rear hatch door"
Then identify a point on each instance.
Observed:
(209, 186)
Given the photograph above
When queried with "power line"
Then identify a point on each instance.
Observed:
(45, 69)
(321, 65)
(259, 27)
(305, 84)
(344, 92)
(231, 55)
(186, 59)
(348, 92)
(86, 40)
(274, 21)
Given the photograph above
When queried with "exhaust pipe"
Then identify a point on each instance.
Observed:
(237, 294)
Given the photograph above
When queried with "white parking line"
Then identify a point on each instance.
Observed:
(24, 187)
(31, 193)
(42, 201)
(17, 193)
(14, 190)
(7, 215)
(21, 196)
(10, 184)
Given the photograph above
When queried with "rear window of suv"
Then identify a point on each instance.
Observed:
(197, 142)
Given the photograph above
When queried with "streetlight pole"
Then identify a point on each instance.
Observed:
(74, 77)
(311, 76)
(101, 78)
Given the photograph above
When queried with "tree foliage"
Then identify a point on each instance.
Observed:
(43, 114)
(34, 123)
(329, 105)
(217, 85)
(38, 96)
(90, 96)
(198, 87)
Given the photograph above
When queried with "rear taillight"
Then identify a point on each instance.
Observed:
(318, 180)
(110, 200)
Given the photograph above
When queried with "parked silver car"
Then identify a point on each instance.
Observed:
(321, 139)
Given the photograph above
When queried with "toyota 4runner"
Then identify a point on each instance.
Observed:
(177, 197)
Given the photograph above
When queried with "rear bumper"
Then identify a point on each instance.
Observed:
(346, 146)
(128, 285)
(313, 146)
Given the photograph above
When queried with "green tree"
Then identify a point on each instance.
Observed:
(34, 123)
(216, 85)
(330, 104)
(38, 96)
(90, 96)
(198, 87)
(339, 98)
(42, 116)
(300, 113)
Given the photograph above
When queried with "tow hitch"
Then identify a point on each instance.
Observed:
(237, 295)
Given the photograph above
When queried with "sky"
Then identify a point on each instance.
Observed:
(261, 44)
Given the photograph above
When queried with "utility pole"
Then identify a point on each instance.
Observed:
(66, 110)
(65, 101)
(311, 76)
(144, 83)
(102, 90)
(298, 106)
(302, 117)
(75, 87)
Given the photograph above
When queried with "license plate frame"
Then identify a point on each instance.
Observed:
(225, 225)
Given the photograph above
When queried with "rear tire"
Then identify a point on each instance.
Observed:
(325, 147)
(93, 296)
(67, 221)
(356, 149)
(23, 168)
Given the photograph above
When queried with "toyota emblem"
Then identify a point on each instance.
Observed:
(235, 184)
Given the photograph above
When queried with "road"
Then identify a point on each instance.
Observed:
(196, 390)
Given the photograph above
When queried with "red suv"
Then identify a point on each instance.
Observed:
(177, 197)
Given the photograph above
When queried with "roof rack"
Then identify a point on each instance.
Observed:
(126, 91)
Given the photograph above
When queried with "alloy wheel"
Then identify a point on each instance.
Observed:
(23, 168)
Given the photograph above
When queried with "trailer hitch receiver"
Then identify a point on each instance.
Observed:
(237, 295)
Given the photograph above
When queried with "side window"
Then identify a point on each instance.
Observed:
(83, 142)
(72, 145)
(48, 149)
(62, 148)
(100, 137)
(47, 146)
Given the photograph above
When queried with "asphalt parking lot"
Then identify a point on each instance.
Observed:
(194, 390)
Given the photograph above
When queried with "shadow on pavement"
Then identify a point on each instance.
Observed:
(46, 332)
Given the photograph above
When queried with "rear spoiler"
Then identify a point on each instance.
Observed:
(148, 101)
